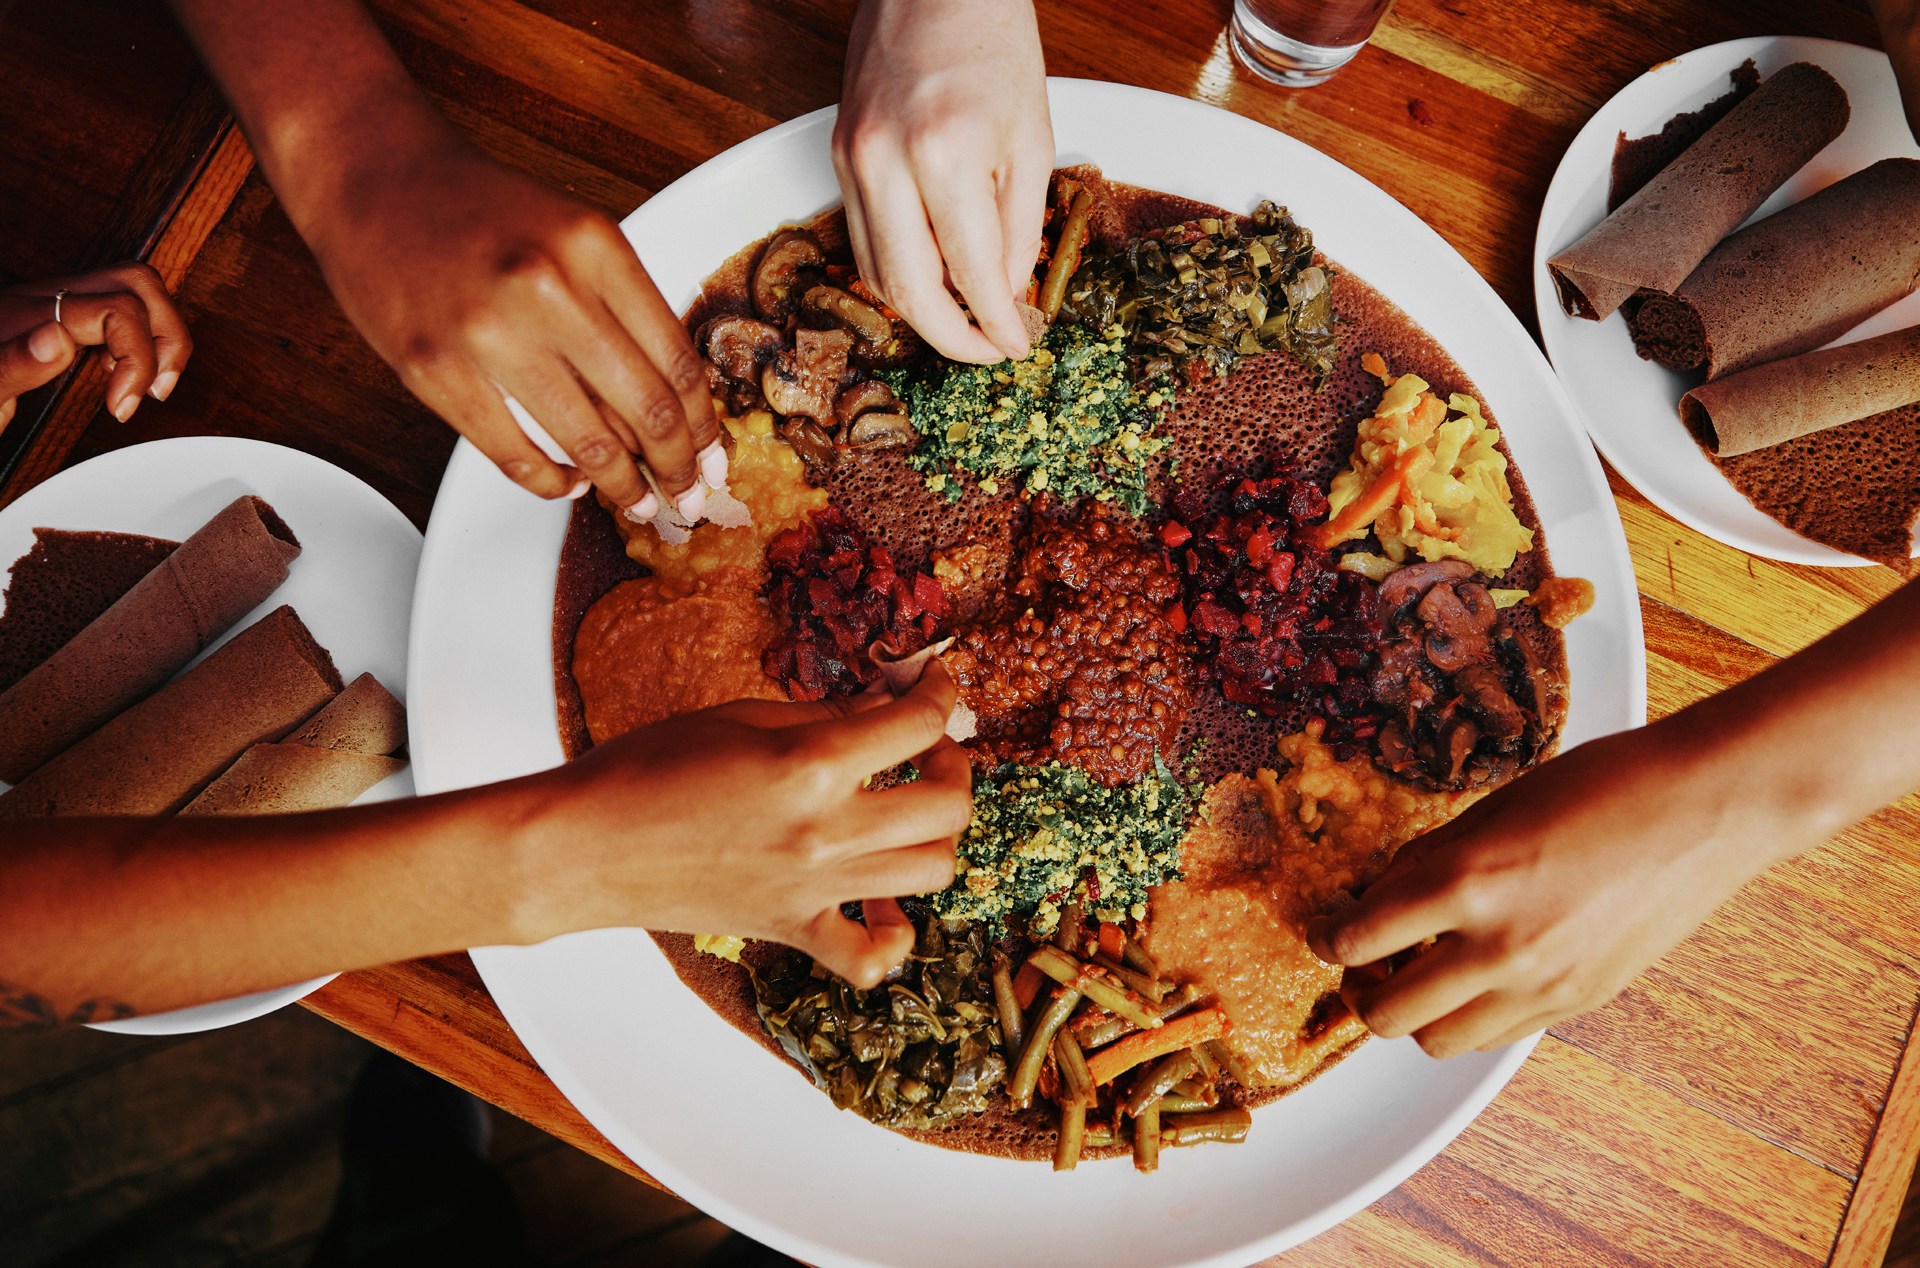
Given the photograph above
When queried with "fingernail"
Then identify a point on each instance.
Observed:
(579, 489)
(693, 503)
(163, 384)
(124, 410)
(46, 343)
(713, 464)
(645, 509)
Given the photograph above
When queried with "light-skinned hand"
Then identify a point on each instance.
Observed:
(944, 148)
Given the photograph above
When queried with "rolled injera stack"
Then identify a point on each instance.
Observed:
(62, 585)
(154, 757)
(327, 761)
(1800, 278)
(1662, 233)
(192, 597)
(1780, 400)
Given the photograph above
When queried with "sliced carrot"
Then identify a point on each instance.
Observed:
(1122, 1055)
(1112, 941)
(1026, 984)
(1356, 515)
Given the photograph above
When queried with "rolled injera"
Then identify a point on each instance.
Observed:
(192, 597)
(1662, 233)
(328, 760)
(1800, 278)
(1795, 396)
(154, 757)
(289, 778)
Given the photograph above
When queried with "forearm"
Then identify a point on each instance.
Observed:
(151, 914)
(1900, 33)
(1823, 738)
(321, 96)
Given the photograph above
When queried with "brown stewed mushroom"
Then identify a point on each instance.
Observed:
(791, 262)
(806, 378)
(808, 439)
(739, 346)
(881, 431)
(866, 395)
(868, 324)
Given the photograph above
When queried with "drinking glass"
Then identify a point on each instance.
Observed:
(1299, 43)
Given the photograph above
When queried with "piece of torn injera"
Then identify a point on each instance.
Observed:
(62, 585)
(1798, 279)
(192, 597)
(154, 757)
(1796, 396)
(1662, 233)
(288, 778)
(365, 718)
(1855, 487)
(899, 673)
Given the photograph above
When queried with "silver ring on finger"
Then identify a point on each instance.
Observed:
(57, 297)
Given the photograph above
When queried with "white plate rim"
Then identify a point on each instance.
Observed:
(513, 974)
(1741, 526)
(133, 477)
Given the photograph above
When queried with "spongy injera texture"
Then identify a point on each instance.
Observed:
(1855, 487)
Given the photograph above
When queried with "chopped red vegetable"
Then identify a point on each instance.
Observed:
(836, 594)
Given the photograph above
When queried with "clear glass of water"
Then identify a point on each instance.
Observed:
(1300, 43)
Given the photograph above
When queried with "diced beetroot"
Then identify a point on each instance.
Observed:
(1177, 618)
(1260, 550)
(1174, 533)
(930, 594)
(835, 594)
(1280, 571)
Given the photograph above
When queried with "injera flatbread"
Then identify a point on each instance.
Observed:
(1660, 234)
(195, 595)
(365, 718)
(328, 760)
(288, 778)
(1855, 487)
(1798, 279)
(62, 584)
(1795, 396)
(154, 757)
(1268, 412)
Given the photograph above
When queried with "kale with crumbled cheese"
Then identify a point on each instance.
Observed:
(1067, 421)
(1043, 836)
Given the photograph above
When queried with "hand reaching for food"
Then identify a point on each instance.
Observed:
(1552, 894)
(943, 148)
(754, 818)
(469, 278)
(124, 308)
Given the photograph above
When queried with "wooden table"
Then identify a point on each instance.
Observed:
(1749, 1101)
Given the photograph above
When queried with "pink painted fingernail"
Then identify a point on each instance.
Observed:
(713, 464)
(645, 509)
(46, 343)
(579, 489)
(163, 384)
(693, 503)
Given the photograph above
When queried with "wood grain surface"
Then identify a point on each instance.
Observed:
(1748, 1101)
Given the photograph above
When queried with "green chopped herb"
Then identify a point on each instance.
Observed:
(1212, 291)
(1043, 836)
(1065, 421)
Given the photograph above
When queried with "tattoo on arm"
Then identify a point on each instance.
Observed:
(20, 1007)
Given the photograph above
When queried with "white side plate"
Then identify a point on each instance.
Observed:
(352, 582)
(1631, 406)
